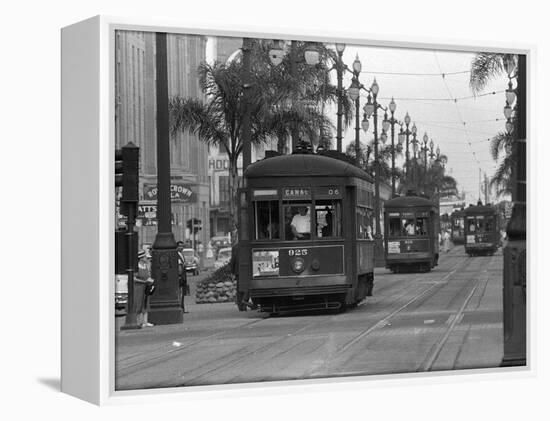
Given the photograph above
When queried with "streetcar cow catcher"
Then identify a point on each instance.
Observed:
(304, 234)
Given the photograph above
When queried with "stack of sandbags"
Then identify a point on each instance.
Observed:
(217, 288)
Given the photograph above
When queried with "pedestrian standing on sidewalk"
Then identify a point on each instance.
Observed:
(182, 275)
(446, 241)
(144, 276)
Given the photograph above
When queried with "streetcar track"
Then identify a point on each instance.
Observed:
(385, 320)
(429, 361)
(164, 355)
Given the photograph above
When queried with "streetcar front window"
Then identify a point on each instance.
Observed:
(408, 227)
(297, 220)
(395, 227)
(364, 223)
(266, 214)
(328, 218)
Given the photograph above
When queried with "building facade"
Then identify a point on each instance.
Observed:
(135, 121)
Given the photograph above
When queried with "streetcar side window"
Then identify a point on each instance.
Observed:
(297, 224)
(421, 226)
(266, 215)
(489, 224)
(364, 223)
(328, 218)
(395, 227)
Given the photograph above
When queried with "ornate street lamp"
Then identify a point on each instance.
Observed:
(276, 56)
(353, 92)
(401, 137)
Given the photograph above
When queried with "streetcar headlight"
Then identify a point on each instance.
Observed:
(298, 265)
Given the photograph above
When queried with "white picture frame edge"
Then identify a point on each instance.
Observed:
(87, 192)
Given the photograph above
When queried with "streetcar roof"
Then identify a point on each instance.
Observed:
(304, 165)
(476, 210)
(408, 202)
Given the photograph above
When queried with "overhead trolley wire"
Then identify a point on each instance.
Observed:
(372, 72)
(466, 132)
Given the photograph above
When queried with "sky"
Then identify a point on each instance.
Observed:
(433, 87)
(461, 128)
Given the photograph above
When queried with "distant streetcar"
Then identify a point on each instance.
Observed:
(481, 232)
(412, 230)
(457, 227)
(304, 237)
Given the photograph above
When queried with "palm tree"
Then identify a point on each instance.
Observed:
(484, 67)
(501, 147)
(297, 94)
(218, 120)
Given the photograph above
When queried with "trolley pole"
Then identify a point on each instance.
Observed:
(515, 252)
(165, 303)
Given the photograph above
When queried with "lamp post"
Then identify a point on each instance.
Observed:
(276, 55)
(415, 150)
(165, 303)
(339, 66)
(371, 108)
(515, 252)
(406, 135)
(353, 93)
(392, 121)
(425, 150)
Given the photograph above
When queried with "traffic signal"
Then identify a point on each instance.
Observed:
(127, 174)
(194, 225)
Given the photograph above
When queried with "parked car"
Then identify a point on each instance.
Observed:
(224, 256)
(121, 294)
(218, 243)
(192, 261)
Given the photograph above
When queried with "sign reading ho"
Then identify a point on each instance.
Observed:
(178, 193)
(218, 164)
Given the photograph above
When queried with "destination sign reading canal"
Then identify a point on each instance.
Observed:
(296, 193)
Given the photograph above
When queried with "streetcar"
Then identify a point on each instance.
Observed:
(411, 243)
(305, 238)
(481, 232)
(457, 227)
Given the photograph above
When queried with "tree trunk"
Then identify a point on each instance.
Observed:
(233, 185)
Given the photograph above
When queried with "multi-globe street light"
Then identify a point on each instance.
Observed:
(392, 122)
(276, 56)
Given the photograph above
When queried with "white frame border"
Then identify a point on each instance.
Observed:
(103, 381)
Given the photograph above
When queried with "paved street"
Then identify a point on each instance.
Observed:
(449, 318)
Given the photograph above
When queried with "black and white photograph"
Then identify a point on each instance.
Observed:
(286, 210)
(303, 209)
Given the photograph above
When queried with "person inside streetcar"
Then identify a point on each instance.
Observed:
(301, 224)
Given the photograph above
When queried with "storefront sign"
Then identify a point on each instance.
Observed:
(178, 193)
(218, 164)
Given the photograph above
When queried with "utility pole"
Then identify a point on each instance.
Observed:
(165, 303)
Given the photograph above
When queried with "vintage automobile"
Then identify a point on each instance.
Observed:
(192, 261)
(121, 294)
(224, 256)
